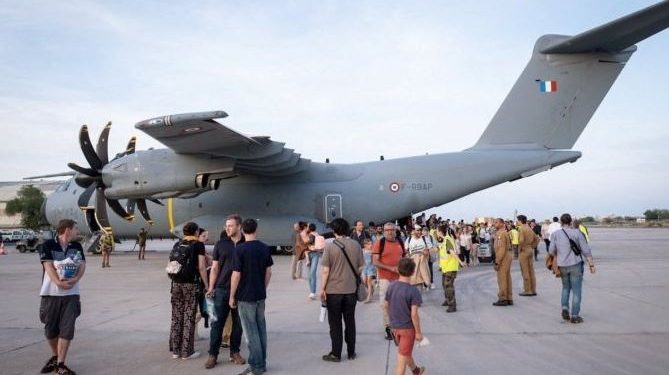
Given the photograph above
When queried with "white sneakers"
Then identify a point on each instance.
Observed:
(312, 296)
(432, 286)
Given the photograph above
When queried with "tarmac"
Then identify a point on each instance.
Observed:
(124, 325)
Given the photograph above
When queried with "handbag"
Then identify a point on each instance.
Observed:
(360, 289)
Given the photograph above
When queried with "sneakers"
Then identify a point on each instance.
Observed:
(237, 359)
(432, 286)
(565, 314)
(249, 371)
(312, 296)
(501, 303)
(50, 365)
(211, 362)
(576, 319)
(451, 309)
(192, 356)
(509, 302)
(418, 370)
(352, 356)
(175, 356)
(388, 335)
(63, 370)
(331, 358)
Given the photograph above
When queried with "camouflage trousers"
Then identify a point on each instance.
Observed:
(447, 281)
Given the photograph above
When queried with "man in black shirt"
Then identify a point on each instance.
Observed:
(252, 271)
(359, 233)
(219, 277)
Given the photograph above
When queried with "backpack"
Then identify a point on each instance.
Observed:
(182, 267)
(382, 244)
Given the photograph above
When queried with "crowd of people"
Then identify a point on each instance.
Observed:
(346, 266)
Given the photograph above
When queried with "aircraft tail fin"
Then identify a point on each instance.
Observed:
(566, 80)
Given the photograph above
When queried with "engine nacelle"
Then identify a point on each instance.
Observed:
(163, 173)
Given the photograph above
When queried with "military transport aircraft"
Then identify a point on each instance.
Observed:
(209, 170)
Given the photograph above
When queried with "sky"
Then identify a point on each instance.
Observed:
(345, 80)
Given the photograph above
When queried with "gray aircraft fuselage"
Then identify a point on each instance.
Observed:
(374, 191)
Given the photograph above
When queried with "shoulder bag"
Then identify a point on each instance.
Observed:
(360, 289)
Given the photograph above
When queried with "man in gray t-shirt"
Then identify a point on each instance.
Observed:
(570, 265)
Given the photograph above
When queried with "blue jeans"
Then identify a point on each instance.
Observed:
(221, 299)
(572, 281)
(314, 258)
(252, 315)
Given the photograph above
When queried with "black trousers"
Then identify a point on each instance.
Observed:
(341, 306)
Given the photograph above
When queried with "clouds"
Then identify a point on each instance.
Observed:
(344, 80)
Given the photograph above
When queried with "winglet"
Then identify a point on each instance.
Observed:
(616, 35)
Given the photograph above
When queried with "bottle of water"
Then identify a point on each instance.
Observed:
(324, 312)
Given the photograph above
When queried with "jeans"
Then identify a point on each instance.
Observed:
(221, 299)
(314, 258)
(342, 306)
(572, 281)
(252, 315)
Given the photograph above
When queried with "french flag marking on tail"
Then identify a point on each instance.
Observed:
(548, 86)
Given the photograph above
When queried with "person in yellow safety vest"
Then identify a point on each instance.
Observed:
(515, 240)
(583, 229)
(449, 263)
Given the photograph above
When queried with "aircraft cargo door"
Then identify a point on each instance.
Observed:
(332, 207)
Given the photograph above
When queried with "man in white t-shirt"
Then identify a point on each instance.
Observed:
(64, 265)
(554, 226)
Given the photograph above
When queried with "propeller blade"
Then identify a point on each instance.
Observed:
(103, 140)
(118, 209)
(87, 148)
(141, 204)
(130, 206)
(85, 197)
(101, 209)
(156, 201)
(85, 181)
(82, 170)
(131, 146)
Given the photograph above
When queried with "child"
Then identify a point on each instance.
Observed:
(369, 271)
(402, 303)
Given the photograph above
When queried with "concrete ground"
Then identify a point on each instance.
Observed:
(125, 319)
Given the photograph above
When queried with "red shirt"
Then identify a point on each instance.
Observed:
(392, 253)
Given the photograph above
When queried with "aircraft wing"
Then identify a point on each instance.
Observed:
(199, 134)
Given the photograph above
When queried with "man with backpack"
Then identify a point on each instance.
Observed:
(187, 262)
(386, 255)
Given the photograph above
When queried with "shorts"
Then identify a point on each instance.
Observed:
(59, 313)
(405, 338)
(369, 271)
